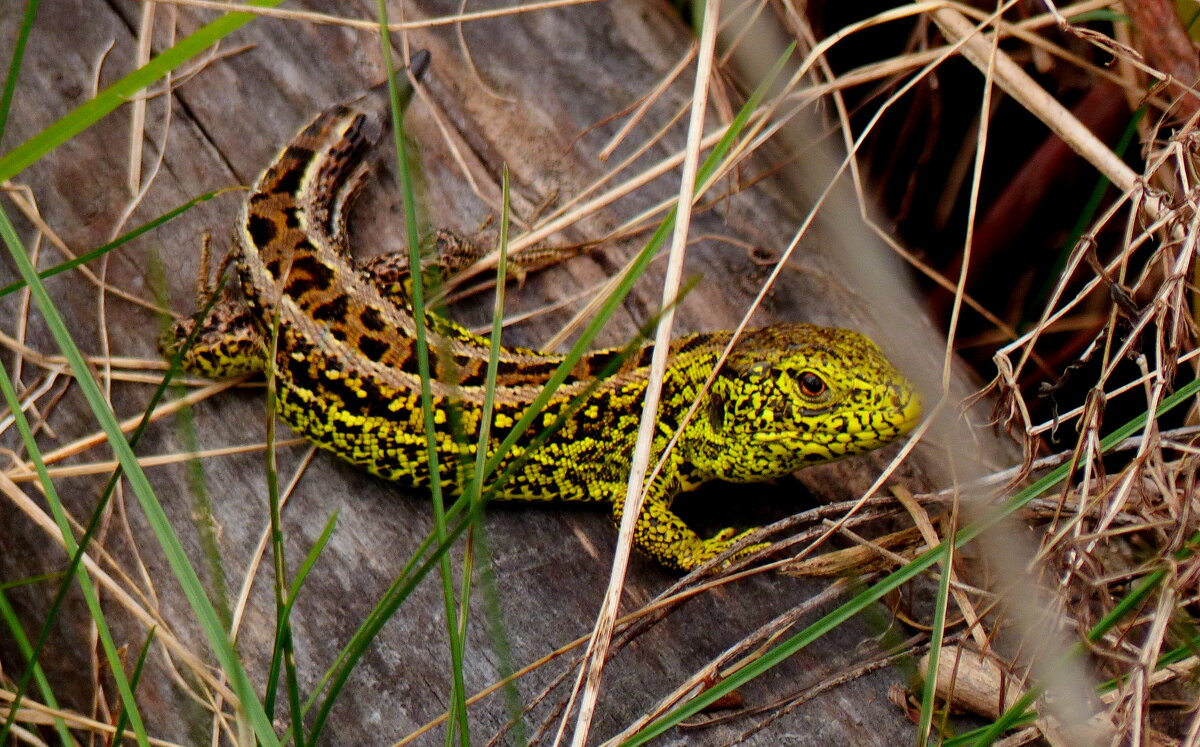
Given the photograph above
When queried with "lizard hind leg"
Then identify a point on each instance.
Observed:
(447, 253)
(225, 341)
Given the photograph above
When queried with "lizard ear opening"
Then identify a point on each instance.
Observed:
(716, 411)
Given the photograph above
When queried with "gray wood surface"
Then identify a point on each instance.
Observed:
(539, 99)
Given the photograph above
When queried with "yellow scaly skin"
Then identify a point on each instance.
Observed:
(790, 395)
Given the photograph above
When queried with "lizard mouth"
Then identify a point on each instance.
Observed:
(894, 424)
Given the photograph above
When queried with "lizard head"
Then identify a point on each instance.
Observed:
(790, 395)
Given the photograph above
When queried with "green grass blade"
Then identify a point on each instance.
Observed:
(169, 542)
(14, 65)
(17, 633)
(893, 581)
(1173, 656)
(283, 618)
(474, 492)
(91, 111)
(1021, 711)
(929, 695)
(101, 506)
(138, 668)
(111, 652)
(310, 560)
(458, 701)
(282, 651)
(41, 578)
(639, 265)
(418, 566)
(100, 251)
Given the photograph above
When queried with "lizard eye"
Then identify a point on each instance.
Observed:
(812, 385)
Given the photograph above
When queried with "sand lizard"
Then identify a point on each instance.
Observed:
(790, 395)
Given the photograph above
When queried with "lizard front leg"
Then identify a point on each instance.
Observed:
(227, 342)
(662, 535)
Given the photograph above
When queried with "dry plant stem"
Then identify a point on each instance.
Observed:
(1036, 430)
(877, 485)
(561, 218)
(871, 276)
(968, 679)
(712, 671)
(32, 712)
(825, 191)
(636, 623)
(1168, 47)
(29, 403)
(469, 61)
(163, 460)
(57, 364)
(647, 101)
(29, 210)
(127, 425)
(1148, 661)
(1018, 84)
(921, 519)
(23, 327)
(454, 143)
(163, 636)
(1053, 310)
(566, 216)
(137, 110)
(972, 203)
(40, 517)
(368, 25)
(635, 493)
(866, 554)
(1023, 30)
(115, 509)
(783, 706)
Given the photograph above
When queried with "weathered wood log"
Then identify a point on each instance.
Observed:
(538, 92)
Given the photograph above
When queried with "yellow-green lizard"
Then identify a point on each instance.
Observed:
(789, 395)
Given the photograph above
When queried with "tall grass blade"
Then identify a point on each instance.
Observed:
(157, 518)
(91, 111)
(14, 65)
(282, 652)
(458, 701)
(103, 249)
(111, 652)
(138, 668)
(18, 635)
(101, 506)
(937, 633)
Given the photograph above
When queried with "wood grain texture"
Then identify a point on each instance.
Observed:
(539, 81)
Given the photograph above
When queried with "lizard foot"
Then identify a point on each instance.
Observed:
(710, 548)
